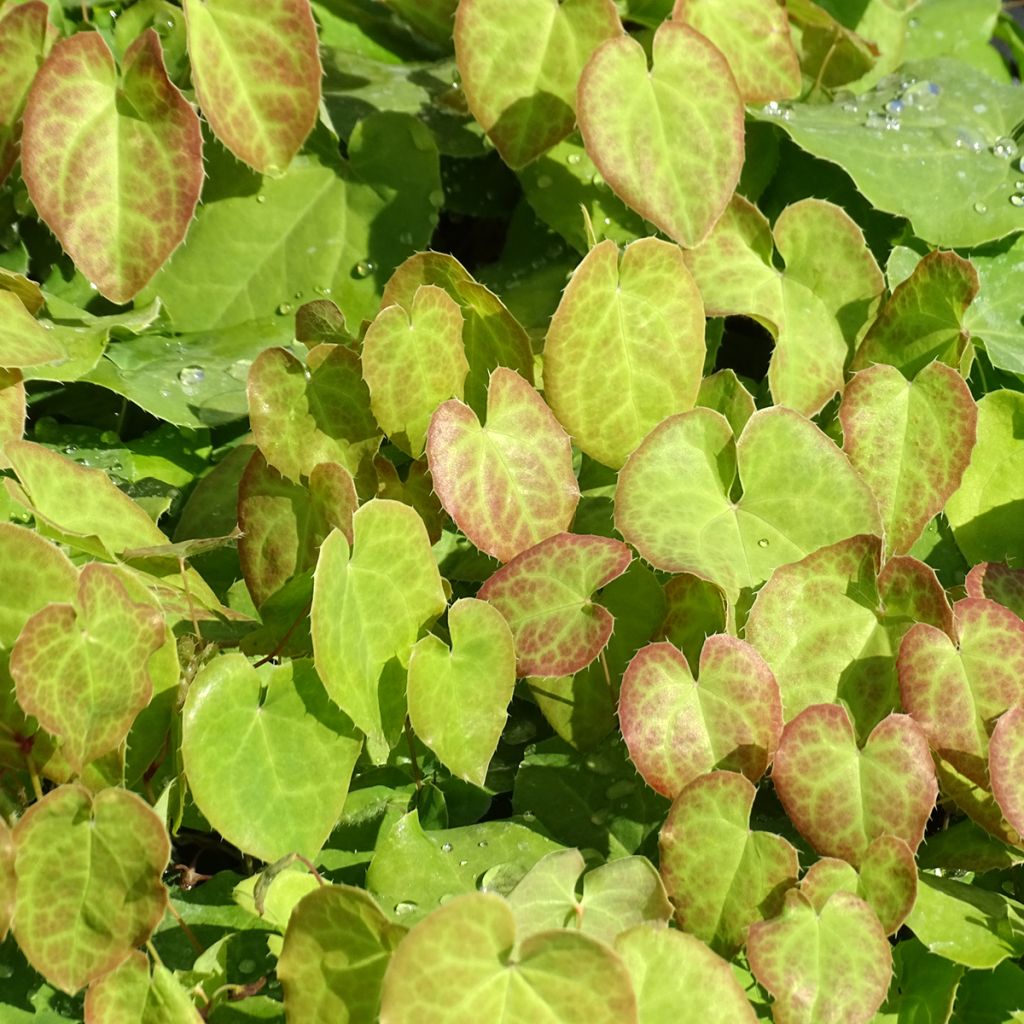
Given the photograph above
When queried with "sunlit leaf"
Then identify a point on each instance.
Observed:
(998, 583)
(23, 45)
(131, 995)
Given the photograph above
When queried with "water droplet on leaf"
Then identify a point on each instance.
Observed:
(573, 158)
(246, 966)
(544, 181)
(190, 377)
(364, 268)
(1005, 148)
(261, 199)
(436, 198)
(284, 309)
(405, 907)
(1017, 199)
(980, 207)
(482, 844)
(446, 847)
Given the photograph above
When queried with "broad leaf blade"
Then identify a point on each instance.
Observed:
(23, 45)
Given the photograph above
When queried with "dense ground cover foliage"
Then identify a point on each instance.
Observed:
(512, 510)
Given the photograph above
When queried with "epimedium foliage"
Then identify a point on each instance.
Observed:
(511, 511)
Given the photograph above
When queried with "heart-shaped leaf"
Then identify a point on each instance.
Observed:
(23, 44)
(268, 757)
(1006, 766)
(681, 186)
(130, 995)
(720, 875)
(509, 484)
(13, 410)
(369, 603)
(24, 341)
(468, 941)
(120, 196)
(957, 690)
(625, 348)
(7, 878)
(673, 502)
(911, 444)
(998, 583)
(519, 67)
(676, 728)
(89, 889)
(80, 668)
(257, 74)
(831, 964)
(842, 798)
(412, 362)
(336, 950)
(458, 698)
(546, 596)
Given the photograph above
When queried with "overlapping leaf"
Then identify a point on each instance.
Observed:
(999, 583)
(129, 994)
(1006, 766)
(7, 879)
(23, 45)
(24, 341)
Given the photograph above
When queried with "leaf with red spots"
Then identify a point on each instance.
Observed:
(677, 728)
(508, 484)
(842, 798)
(546, 596)
(520, 64)
(832, 964)
(720, 875)
(998, 583)
(119, 197)
(625, 348)
(24, 39)
(956, 690)
(13, 410)
(911, 442)
(131, 995)
(1006, 766)
(7, 878)
(830, 626)
(257, 74)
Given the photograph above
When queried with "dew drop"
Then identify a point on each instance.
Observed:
(892, 123)
(463, 863)
(405, 907)
(273, 170)
(607, 222)
(261, 199)
(109, 437)
(190, 377)
(596, 179)
(573, 158)
(772, 109)
(1005, 148)
(298, 295)
(284, 309)
(239, 369)
(442, 900)
(874, 120)
(763, 542)
(364, 268)
(1017, 199)
(6, 971)
(894, 107)
(246, 966)
(446, 847)
(980, 207)
(436, 198)
(922, 95)
(544, 181)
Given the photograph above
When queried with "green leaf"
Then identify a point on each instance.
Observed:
(508, 484)
(89, 889)
(433, 19)
(721, 876)
(520, 67)
(129, 995)
(994, 318)
(985, 997)
(120, 195)
(545, 595)
(23, 44)
(458, 698)
(677, 729)
(369, 604)
(998, 583)
(724, 392)
(1005, 765)
(24, 341)
(673, 499)
(623, 111)
(336, 950)
(7, 878)
(267, 756)
(833, 964)
(572, 976)
(13, 410)
(80, 668)
(965, 846)
(924, 986)
(625, 348)
(257, 74)
(695, 610)
(842, 798)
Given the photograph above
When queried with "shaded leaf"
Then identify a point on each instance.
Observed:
(7, 878)
(130, 995)
(924, 986)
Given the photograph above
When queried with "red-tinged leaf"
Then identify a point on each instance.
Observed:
(680, 184)
(27, 290)
(999, 583)
(12, 410)
(24, 341)
(120, 196)
(130, 995)
(546, 597)
(957, 690)
(7, 878)
(1006, 766)
(720, 875)
(677, 728)
(508, 484)
(256, 69)
(842, 798)
(23, 45)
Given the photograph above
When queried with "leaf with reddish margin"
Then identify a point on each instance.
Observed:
(12, 410)
(911, 442)
(842, 799)
(24, 341)
(546, 596)
(720, 875)
(89, 889)
(957, 690)
(412, 362)
(7, 878)
(887, 881)
(923, 319)
(24, 36)
(1006, 766)
(677, 728)
(829, 965)
(80, 668)
(673, 502)
(130, 995)
(28, 291)
(998, 583)
(283, 523)
(695, 611)
(257, 74)
(300, 418)
(510, 484)
(120, 196)
(625, 347)
(830, 626)
(622, 109)
(520, 64)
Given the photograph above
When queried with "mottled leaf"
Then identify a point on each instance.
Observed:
(7, 878)
(129, 994)
(1006, 766)
(23, 45)
(13, 410)
(998, 583)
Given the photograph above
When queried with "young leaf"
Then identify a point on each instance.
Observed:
(519, 67)
(13, 410)
(89, 889)
(545, 595)
(24, 341)
(458, 699)
(257, 74)
(841, 798)
(998, 583)
(119, 196)
(129, 995)
(1006, 766)
(676, 728)
(625, 348)
(508, 484)
(720, 875)
(622, 107)
(24, 38)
